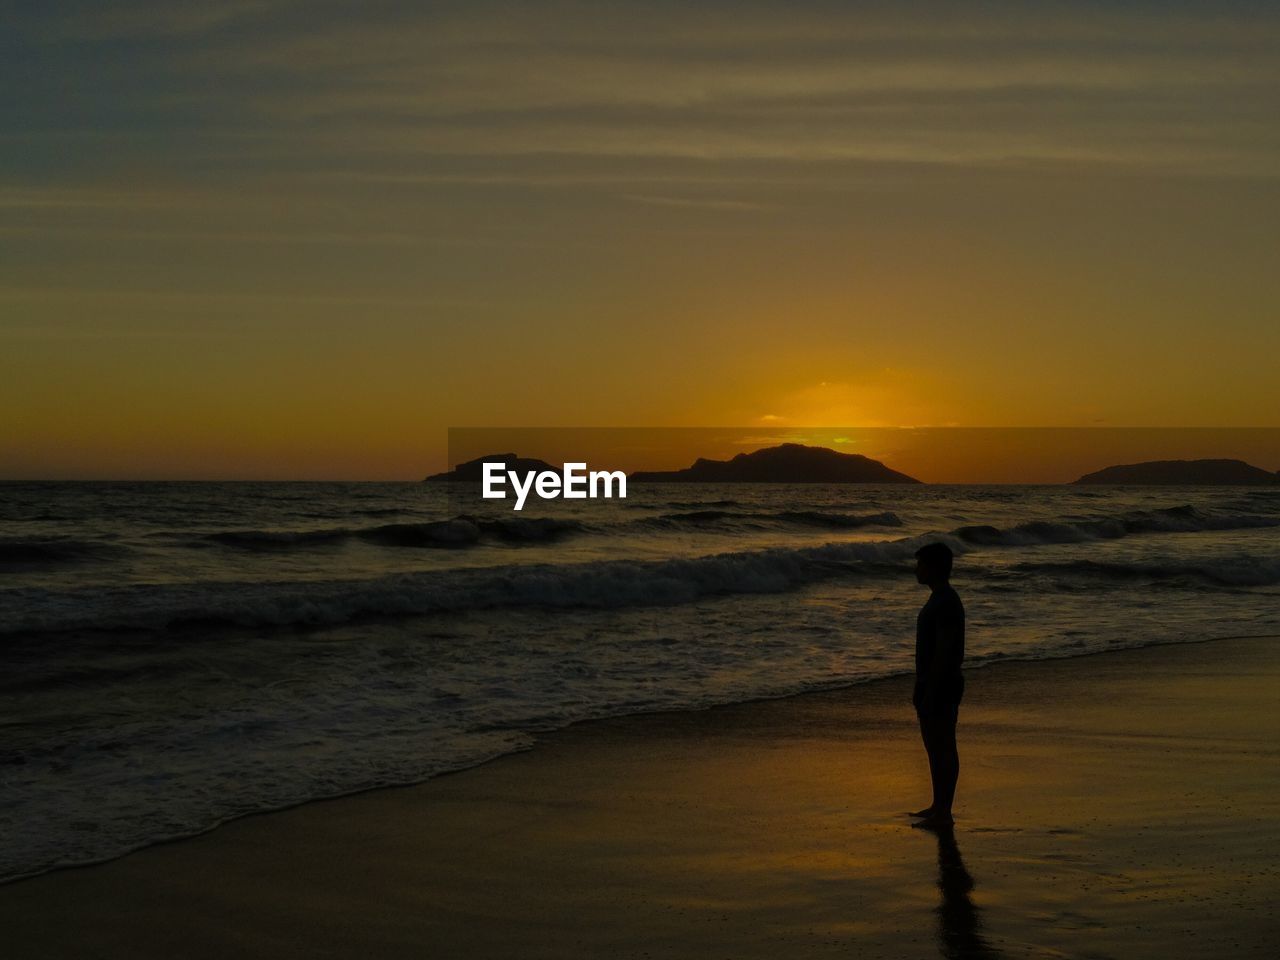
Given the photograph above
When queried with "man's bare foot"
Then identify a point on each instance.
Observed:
(936, 821)
(926, 812)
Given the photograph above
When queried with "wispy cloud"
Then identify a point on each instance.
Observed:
(1174, 87)
(89, 21)
(702, 203)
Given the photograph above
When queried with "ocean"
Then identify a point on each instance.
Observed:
(178, 654)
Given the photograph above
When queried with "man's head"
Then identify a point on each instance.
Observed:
(933, 563)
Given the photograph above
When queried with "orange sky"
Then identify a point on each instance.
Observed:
(257, 241)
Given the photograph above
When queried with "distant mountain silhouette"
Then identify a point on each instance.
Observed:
(787, 463)
(473, 471)
(1182, 471)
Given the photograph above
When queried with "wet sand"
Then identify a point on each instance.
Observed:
(1117, 805)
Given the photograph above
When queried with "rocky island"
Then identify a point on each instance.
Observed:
(1173, 472)
(786, 463)
(473, 470)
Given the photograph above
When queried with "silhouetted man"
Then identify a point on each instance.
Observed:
(939, 680)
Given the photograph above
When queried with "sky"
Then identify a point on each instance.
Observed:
(263, 239)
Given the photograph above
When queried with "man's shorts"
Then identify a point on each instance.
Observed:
(945, 707)
(945, 711)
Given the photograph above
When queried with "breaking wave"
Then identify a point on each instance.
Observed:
(1180, 519)
(619, 583)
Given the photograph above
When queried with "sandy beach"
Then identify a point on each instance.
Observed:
(1116, 805)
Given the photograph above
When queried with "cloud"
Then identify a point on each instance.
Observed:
(147, 18)
(699, 203)
(256, 86)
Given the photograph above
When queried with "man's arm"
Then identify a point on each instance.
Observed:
(946, 643)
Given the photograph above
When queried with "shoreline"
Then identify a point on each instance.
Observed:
(593, 770)
(538, 737)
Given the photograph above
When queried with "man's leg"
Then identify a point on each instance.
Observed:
(927, 739)
(938, 730)
(948, 760)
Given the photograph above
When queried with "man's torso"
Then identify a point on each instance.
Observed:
(943, 609)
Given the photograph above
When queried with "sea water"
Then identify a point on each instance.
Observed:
(173, 655)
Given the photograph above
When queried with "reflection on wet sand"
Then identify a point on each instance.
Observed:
(959, 921)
